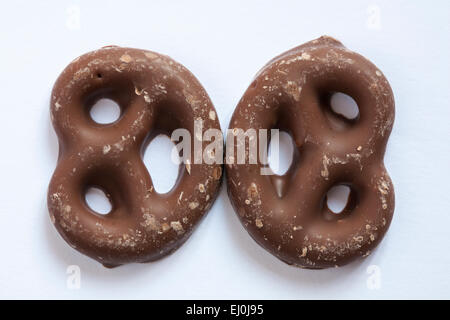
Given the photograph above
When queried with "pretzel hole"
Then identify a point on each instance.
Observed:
(162, 163)
(337, 198)
(280, 157)
(344, 105)
(98, 201)
(105, 111)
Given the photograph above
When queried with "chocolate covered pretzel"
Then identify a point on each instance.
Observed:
(288, 214)
(156, 95)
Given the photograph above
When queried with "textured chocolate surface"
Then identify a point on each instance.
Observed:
(156, 95)
(288, 215)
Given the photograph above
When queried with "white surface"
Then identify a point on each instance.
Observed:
(224, 44)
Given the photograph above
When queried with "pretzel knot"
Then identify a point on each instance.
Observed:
(156, 96)
(288, 215)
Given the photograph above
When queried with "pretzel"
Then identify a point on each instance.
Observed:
(288, 215)
(156, 95)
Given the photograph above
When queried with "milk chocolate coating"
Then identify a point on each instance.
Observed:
(287, 215)
(156, 95)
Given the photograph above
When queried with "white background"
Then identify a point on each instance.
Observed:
(224, 44)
